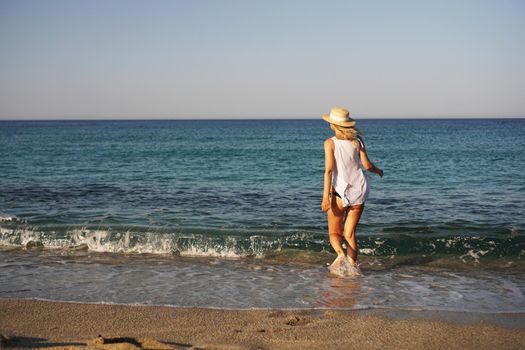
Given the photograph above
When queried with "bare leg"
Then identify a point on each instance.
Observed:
(335, 225)
(353, 214)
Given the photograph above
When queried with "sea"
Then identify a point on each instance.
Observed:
(227, 214)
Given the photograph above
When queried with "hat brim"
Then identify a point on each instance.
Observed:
(326, 117)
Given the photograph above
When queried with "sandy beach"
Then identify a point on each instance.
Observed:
(46, 324)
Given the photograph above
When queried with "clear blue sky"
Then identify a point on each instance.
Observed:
(231, 59)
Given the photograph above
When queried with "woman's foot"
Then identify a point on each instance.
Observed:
(338, 266)
(352, 267)
(351, 261)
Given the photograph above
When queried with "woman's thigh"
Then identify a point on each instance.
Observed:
(335, 215)
(353, 214)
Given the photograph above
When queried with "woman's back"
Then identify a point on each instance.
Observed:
(349, 181)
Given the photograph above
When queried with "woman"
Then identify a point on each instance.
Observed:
(346, 187)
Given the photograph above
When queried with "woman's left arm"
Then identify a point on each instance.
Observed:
(367, 163)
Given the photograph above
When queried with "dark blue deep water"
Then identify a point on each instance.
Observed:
(227, 214)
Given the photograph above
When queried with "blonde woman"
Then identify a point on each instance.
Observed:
(346, 188)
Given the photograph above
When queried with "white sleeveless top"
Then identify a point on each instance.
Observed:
(349, 180)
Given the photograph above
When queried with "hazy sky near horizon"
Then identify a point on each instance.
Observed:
(272, 58)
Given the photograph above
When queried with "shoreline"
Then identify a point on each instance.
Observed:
(75, 325)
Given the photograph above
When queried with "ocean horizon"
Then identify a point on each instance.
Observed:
(256, 118)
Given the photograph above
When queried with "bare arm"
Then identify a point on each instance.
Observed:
(367, 164)
(328, 171)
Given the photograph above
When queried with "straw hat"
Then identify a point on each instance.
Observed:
(339, 116)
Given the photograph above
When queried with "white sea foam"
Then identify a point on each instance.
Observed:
(367, 251)
(106, 240)
(210, 252)
(8, 219)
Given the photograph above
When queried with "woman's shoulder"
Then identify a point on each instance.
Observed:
(329, 142)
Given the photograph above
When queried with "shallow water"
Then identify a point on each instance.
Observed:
(251, 283)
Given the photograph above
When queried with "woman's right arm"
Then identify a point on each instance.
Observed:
(328, 171)
(367, 164)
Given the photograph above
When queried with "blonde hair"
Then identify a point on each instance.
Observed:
(349, 133)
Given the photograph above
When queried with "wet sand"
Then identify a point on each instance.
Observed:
(53, 325)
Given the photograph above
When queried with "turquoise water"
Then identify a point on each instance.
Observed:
(186, 193)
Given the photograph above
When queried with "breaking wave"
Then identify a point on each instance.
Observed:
(239, 244)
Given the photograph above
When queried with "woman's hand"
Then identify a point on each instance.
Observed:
(326, 203)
